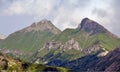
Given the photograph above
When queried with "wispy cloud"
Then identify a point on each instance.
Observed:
(66, 13)
(63, 13)
(109, 15)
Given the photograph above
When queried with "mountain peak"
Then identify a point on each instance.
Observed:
(43, 25)
(91, 26)
(45, 21)
(86, 20)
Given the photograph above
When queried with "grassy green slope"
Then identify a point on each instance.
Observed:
(26, 42)
(84, 39)
(30, 42)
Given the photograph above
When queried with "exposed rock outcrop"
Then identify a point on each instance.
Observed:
(93, 48)
(103, 53)
(93, 27)
(70, 44)
(52, 45)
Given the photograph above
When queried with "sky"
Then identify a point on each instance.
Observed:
(18, 14)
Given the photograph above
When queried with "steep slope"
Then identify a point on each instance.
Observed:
(88, 38)
(110, 62)
(28, 40)
(43, 43)
(93, 27)
(88, 33)
(43, 25)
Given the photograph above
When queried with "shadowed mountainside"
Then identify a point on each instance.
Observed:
(91, 63)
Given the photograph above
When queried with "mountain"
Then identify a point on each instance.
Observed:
(28, 40)
(93, 27)
(2, 36)
(43, 25)
(43, 43)
(93, 63)
(75, 43)
(9, 64)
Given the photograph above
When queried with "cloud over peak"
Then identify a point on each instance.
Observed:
(65, 13)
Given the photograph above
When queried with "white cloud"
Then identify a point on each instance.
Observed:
(107, 13)
(31, 7)
(64, 13)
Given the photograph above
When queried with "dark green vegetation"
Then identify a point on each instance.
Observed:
(9, 64)
(43, 43)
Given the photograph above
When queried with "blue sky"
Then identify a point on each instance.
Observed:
(17, 14)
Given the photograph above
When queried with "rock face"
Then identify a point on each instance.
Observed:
(43, 25)
(103, 53)
(91, 26)
(72, 44)
(93, 48)
(52, 45)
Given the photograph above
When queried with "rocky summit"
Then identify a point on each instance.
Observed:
(43, 25)
(71, 44)
(91, 26)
